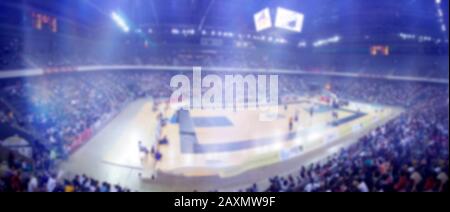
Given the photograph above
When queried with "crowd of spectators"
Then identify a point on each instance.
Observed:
(63, 112)
(62, 109)
(23, 176)
(15, 54)
(6, 116)
(408, 154)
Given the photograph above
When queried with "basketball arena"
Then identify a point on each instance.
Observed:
(103, 96)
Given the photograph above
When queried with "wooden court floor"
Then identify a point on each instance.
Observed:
(226, 150)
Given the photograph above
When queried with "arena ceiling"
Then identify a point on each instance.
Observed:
(358, 19)
(321, 15)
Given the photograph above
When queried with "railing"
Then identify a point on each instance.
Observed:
(17, 126)
(38, 72)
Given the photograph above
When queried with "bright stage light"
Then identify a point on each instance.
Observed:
(302, 44)
(120, 22)
(323, 42)
(175, 31)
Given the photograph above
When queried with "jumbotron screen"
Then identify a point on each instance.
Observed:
(43, 21)
(263, 20)
(289, 20)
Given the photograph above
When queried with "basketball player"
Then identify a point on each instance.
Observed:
(158, 156)
(311, 111)
(155, 107)
(143, 149)
(291, 125)
(335, 117)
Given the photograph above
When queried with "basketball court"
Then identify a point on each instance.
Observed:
(221, 150)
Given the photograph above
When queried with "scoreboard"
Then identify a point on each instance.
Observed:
(263, 20)
(379, 50)
(289, 20)
(43, 22)
(284, 19)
